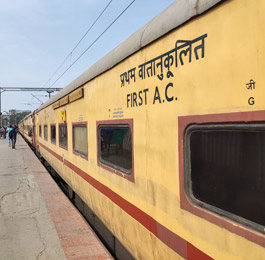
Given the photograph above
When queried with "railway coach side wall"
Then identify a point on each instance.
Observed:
(207, 67)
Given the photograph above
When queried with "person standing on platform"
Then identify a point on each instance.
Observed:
(8, 130)
(13, 136)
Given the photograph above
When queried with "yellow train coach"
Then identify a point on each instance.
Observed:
(163, 140)
(26, 128)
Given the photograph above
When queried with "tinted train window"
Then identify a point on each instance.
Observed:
(225, 170)
(39, 130)
(53, 134)
(63, 135)
(46, 132)
(115, 147)
(80, 139)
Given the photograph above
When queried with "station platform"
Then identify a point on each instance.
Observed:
(37, 220)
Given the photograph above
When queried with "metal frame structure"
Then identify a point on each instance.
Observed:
(3, 89)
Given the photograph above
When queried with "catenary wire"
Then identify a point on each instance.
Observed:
(93, 43)
(78, 43)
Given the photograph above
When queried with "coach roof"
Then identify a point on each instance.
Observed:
(172, 17)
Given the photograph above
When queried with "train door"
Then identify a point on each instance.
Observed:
(33, 131)
(37, 131)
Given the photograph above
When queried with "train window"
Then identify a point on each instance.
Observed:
(80, 138)
(39, 130)
(63, 135)
(45, 132)
(225, 170)
(115, 147)
(53, 134)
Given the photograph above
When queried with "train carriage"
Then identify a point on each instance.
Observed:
(163, 139)
(26, 128)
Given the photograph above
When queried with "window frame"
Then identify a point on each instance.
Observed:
(186, 203)
(40, 130)
(47, 137)
(109, 167)
(74, 151)
(64, 147)
(51, 125)
(243, 127)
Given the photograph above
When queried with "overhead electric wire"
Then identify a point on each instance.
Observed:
(93, 42)
(78, 42)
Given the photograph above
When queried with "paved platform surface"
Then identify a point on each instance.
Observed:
(37, 221)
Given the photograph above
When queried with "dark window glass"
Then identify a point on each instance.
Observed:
(39, 130)
(63, 135)
(53, 134)
(80, 139)
(46, 132)
(115, 147)
(226, 170)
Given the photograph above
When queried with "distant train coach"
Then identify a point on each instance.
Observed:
(162, 142)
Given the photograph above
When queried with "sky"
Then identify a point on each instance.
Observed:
(36, 36)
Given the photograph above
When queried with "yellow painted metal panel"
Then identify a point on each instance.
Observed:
(77, 94)
(64, 101)
(56, 105)
(229, 41)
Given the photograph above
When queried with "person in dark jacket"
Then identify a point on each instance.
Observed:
(13, 136)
